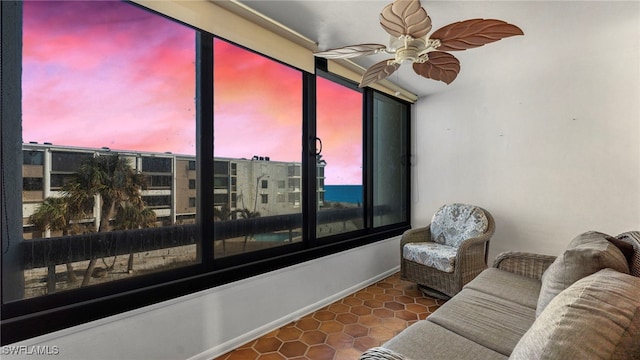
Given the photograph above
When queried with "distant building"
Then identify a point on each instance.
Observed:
(257, 184)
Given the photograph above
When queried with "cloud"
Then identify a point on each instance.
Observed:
(108, 73)
(257, 105)
(339, 118)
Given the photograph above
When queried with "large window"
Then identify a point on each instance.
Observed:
(77, 68)
(339, 128)
(391, 161)
(160, 160)
(258, 123)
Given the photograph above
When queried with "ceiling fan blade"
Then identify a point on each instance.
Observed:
(441, 66)
(473, 33)
(351, 51)
(405, 17)
(378, 71)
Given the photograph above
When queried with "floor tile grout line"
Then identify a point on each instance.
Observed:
(346, 328)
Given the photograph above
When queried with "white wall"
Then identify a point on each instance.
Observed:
(542, 130)
(212, 322)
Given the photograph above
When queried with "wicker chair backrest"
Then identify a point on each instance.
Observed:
(454, 223)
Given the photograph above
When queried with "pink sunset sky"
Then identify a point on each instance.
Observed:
(111, 74)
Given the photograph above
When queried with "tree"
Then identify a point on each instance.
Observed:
(52, 215)
(247, 214)
(57, 214)
(133, 215)
(112, 182)
(225, 213)
(222, 213)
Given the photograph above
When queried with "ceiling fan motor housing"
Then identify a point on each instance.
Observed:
(407, 55)
(408, 49)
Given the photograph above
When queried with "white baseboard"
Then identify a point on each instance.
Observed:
(269, 327)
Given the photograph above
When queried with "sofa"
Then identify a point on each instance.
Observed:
(582, 304)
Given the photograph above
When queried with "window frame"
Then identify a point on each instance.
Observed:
(23, 319)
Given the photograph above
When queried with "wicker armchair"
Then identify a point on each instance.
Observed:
(465, 263)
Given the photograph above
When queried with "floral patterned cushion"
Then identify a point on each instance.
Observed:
(441, 257)
(454, 223)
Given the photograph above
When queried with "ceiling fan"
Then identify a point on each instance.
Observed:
(409, 24)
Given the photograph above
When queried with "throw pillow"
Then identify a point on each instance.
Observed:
(625, 247)
(598, 317)
(586, 254)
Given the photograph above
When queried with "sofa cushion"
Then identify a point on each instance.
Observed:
(454, 223)
(486, 319)
(426, 340)
(598, 317)
(586, 254)
(441, 257)
(508, 286)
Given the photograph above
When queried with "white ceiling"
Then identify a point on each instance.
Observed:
(338, 23)
(557, 34)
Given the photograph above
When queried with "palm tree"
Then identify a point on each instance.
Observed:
(112, 182)
(221, 214)
(133, 215)
(51, 215)
(247, 214)
(56, 214)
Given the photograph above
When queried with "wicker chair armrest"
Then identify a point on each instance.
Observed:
(421, 234)
(480, 239)
(471, 257)
(474, 241)
(523, 263)
(380, 353)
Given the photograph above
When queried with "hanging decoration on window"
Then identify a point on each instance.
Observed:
(409, 24)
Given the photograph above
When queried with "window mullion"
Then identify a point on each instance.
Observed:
(367, 144)
(204, 136)
(309, 181)
(10, 107)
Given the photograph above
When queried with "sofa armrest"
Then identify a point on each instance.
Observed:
(633, 238)
(524, 264)
(380, 353)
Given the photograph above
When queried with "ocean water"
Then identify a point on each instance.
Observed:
(343, 193)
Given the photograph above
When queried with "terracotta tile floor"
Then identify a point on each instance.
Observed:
(346, 328)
